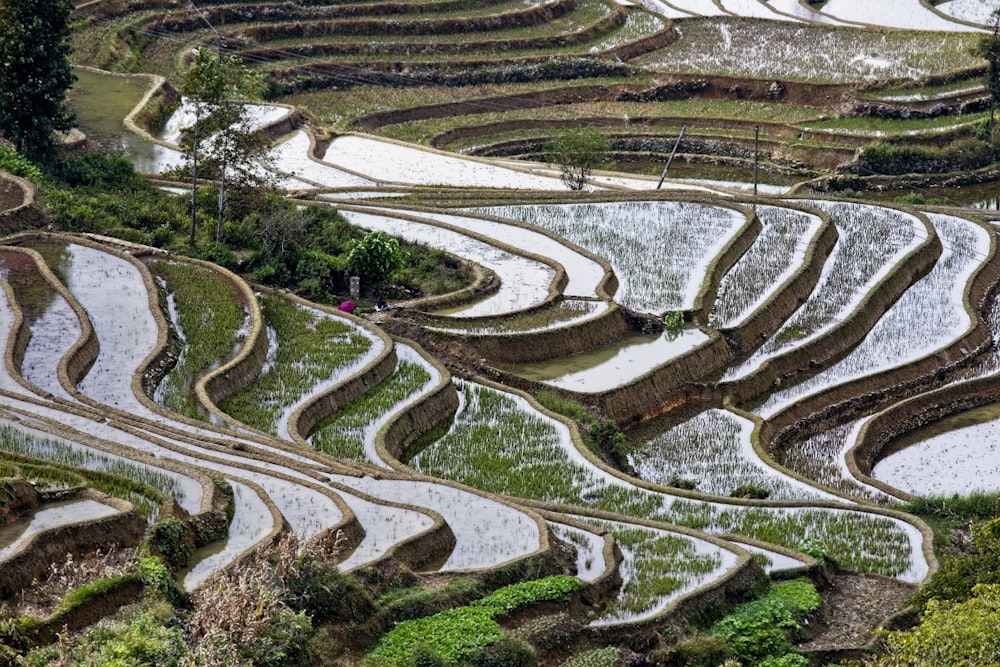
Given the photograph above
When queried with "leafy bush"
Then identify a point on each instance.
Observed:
(375, 257)
(508, 599)
(17, 164)
(959, 575)
(454, 634)
(326, 594)
(762, 628)
(219, 253)
(110, 171)
(169, 539)
(750, 491)
(965, 633)
(696, 651)
(506, 652)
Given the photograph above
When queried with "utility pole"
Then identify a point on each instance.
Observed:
(756, 152)
(666, 168)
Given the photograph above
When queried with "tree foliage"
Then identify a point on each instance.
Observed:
(34, 51)
(375, 257)
(578, 151)
(963, 634)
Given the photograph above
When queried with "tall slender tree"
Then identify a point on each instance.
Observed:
(34, 74)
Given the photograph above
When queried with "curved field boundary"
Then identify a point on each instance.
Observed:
(910, 414)
(313, 410)
(838, 340)
(768, 317)
(610, 580)
(366, 48)
(724, 261)
(927, 547)
(530, 16)
(609, 283)
(82, 354)
(743, 576)
(417, 551)
(31, 560)
(868, 393)
(517, 348)
(438, 405)
(25, 214)
(555, 288)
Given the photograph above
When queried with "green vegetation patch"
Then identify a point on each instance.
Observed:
(310, 348)
(210, 317)
(342, 433)
(511, 598)
(760, 631)
(453, 635)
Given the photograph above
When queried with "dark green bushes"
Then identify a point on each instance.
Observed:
(909, 158)
(760, 633)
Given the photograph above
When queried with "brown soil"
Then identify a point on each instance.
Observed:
(11, 195)
(855, 606)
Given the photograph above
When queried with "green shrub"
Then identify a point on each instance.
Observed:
(454, 634)
(109, 171)
(328, 595)
(219, 253)
(763, 628)
(412, 603)
(169, 539)
(750, 491)
(17, 164)
(696, 651)
(505, 652)
(508, 599)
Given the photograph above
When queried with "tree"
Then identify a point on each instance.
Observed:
(578, 151)
(988, 48)
(375, 257)
(34, 51)
(222, 136)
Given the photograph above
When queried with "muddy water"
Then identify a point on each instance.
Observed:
(101, 102)
(613, 365)
(966, 445)
(49, 516)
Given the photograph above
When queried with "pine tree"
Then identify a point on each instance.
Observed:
(35, 74)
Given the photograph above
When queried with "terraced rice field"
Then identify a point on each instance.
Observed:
(756, 341)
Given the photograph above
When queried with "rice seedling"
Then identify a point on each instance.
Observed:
(347, 433)
(964, 444)
(496, 433)
(915, 17)
(778, 251)
(658, 566)
(210, 323)
(609, 656)
(976, 11)
(589, 546)
(712, 450)
(821, 458)
(313, 348)
(771, 49)
(872, 240)
(928, 316)
(26, 443)
(659, 250)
